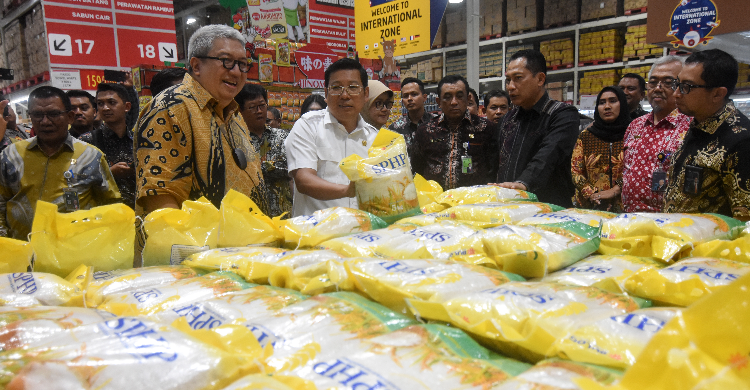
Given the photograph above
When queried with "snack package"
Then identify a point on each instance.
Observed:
(134, 353)
(427, 190)
(15, 256)
(310, 230)
(589, 217)
(384, 180)
(615, 341)
(101, 236)
(173, 235)
(273, 382)
(606, 272)
(525, 319)
(391, 282)
(474, 195)
(735, 250)
(179, 293)
(35, 288)
(495, 213)
(242, 223)
(664, 236)
(686, 281)
(705, 347)
(535, 250)
(22, 326)
(558, 374)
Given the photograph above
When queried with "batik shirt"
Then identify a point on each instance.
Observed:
(12, 136)
(116, 150)
(596, 166)
(720, 148)
(28, 175)
(270, 147)
(407, 128)
(648, 147)
(184, 148)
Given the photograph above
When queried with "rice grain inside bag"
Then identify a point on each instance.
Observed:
(308, 231)
(606, 272)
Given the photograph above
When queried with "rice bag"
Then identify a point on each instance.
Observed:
(606, 272)
(361, 244)
(274, 382)
(615, 341)
(173, 235)
(242, 261)
(524, 319)
(735, 250)
(427, 190)
(558, 374)
(535, 250)
(35, 288)
(22, 326)
(474, 195)
(589, 217)
(242, 223)
(15, 256)
(686, 281)
(419, 220)
(495, 213)
(384, 180)
(176, 294)
(391, 282)
(133, 353)
(308, 231)
(664, 236)
(106, 283)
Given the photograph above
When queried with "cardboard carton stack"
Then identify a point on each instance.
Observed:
(36, 41)
(509, 51)
(640, 70)
(455, 65)
(491, 21)
(593, 82)
(635, 43)
(635, 4)
(599, 9)
(558, 52)
(561, 90)
(600, 46)
(430, 70)
(455, 28)
(744, 77)
(16, 51)
(523, 15)
(491, 63)
(560, 12)
(439, 40)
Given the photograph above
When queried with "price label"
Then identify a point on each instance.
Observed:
(90, 78)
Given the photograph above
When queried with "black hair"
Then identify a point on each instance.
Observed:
(346, 64)
(314, 98)
(165, 79)
(120, 90)
(452, 79)
(276, 113)
(250, 92)
(473, 93)
(79, 93)
(47, 92)
(535, 61)
(410, 80)
(720, 69)
(641, 80)
(496, 93)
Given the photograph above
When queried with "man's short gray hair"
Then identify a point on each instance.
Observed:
(202, 40)
(665, 60)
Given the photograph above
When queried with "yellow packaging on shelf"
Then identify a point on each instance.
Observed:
(242, 223)
(615, 341)
(384, 180)
(427, 190)
(686, 281)
(525, 319)
(589, 217)
(706, 347)
(101, 236)
(15, 256)
(664, 236)
(36, 288)
(271, 382)
(172, 235)
(558, 374)
(495, 213)
(474, 195)
(606, 272)
(735, 250)
(308, 231)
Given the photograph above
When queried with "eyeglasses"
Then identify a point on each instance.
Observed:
(380, 105)
(259, 107)
(686, 87)
(668, 83)
(352, 90)
(229, 63)
(52, 115)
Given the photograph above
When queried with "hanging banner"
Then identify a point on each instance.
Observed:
(692, 22)
(313, 60)
(272, 19)
(332, 24)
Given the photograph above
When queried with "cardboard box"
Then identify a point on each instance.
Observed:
(436, 62)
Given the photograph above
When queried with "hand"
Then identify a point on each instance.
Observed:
(121, 170)
(128, 83)
(597, 197)
(351, 191)
(511, 185)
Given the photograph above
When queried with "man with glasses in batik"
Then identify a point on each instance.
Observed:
(321, 139)
(651, 140)
(53, 167)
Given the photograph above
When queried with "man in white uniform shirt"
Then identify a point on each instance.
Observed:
(321, 139)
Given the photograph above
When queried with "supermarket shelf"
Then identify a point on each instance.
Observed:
(492, 79)
(613, 65)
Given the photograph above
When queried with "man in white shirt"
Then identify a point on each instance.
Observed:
(321, 139)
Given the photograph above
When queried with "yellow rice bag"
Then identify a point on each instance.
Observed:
(242, 223)
(663, 236)
(21, 326)
(361, 244)
(427, 190)
(495, 213)
(384, 180)
(274, 382)
(310, 230)
(524, 319)
(735, 250)
(242, 261)
(535, 250)
(474, 195)
(706, 347)
(418, 220)
(179, 293)
(558, 374)
(686, 281)
(606, 272)
(615, 341)
(173, 235)
(443, 240)
(101, 285)
(589, 217)
(36, 288)
(391, 282)
(15, 255)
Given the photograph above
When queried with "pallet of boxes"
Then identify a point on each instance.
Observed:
(593, 82)
(559, 13)
(743, 81)
(558, 52)
(600, 9)
(523, 15)
(455, 28)
(600, 47)
(513, 50)
(455, 66)
(491, 63)
(636, 46)
(561, 90)
(491, 23)
(633, 7)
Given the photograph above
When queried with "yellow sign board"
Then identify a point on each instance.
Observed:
(392, 28)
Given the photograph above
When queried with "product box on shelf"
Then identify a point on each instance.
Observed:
(600, 9)
(560, 13)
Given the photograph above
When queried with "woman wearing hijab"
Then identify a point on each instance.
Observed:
(377, 110)
(597, 158)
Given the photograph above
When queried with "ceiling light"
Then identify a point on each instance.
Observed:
(190, 21)
(455, 1)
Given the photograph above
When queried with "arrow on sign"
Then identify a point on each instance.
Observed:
(60, 46)
(168, 54)
(167, 51)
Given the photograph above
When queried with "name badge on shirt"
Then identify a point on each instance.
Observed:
(659, 181)
(693, 180)
(72, 203)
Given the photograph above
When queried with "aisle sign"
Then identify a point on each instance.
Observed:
(313, 60)
(66, 79)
